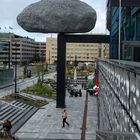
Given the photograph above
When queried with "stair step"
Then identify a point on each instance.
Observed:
(17, 114)
(7, 113)
(20, 115)
(21, 105)
(8, 108)
(22, 120)
(17, 103)
(3, 108)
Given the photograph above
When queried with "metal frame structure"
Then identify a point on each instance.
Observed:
(61, 59)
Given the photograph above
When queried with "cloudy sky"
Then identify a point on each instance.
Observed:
(9, 9)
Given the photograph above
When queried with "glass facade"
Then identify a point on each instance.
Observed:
(4, 53)
(129, 31)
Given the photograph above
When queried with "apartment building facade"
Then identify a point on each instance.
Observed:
(82, 52)
(20, 49)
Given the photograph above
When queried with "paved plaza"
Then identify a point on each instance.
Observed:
(46, 123)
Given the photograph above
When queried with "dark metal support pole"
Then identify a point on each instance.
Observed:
(49, 62)
(75, 61)
(42, 68)
(15, 69)
(61, 59)
(9, 55)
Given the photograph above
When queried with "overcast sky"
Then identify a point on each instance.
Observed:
(9, 9)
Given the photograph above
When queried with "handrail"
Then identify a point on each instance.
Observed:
(100, 134)
(100, 137)
(130, 66)
(137, 135)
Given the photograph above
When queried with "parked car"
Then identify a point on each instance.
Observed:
(91, 91)
(28, 73)
(54, 85)
(75, 92)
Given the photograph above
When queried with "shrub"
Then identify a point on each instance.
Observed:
(43, 90)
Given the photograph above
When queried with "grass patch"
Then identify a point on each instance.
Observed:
(41, 90)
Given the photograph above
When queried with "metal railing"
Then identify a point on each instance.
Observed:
(110, 135)
(118, 99)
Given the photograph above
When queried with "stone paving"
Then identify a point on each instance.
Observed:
(46, 123)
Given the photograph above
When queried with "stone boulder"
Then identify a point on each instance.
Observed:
(58, 16)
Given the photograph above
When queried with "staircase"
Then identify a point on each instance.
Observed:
(17, 112)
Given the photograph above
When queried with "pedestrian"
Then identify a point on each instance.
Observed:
(64, 116)
(7, 129)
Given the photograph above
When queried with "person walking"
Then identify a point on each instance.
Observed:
(7, 129)
(64, 116)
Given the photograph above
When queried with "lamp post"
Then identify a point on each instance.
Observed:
(16, 45)
(9, 55)
(75, 69)
(49, 57)
(48, 60)
(42, 66)
(119, 41)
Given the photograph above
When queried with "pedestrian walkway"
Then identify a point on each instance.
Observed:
(46, 123)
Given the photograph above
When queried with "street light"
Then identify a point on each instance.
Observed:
(9, 54)
(16, 45)
(42, 66)
(49, 57)
(75, 61)
(49, 61)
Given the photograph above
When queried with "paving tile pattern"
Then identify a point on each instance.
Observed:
(46, 123)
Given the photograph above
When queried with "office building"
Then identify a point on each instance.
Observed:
(82, 52)
(21, 49)
(129, 31)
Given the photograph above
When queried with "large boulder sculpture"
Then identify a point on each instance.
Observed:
(58, 16)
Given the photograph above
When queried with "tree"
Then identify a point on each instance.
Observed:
(46, 69)
(90, 84)
(25, 71)
(36, 58)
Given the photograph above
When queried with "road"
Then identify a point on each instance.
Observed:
(23, 84)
